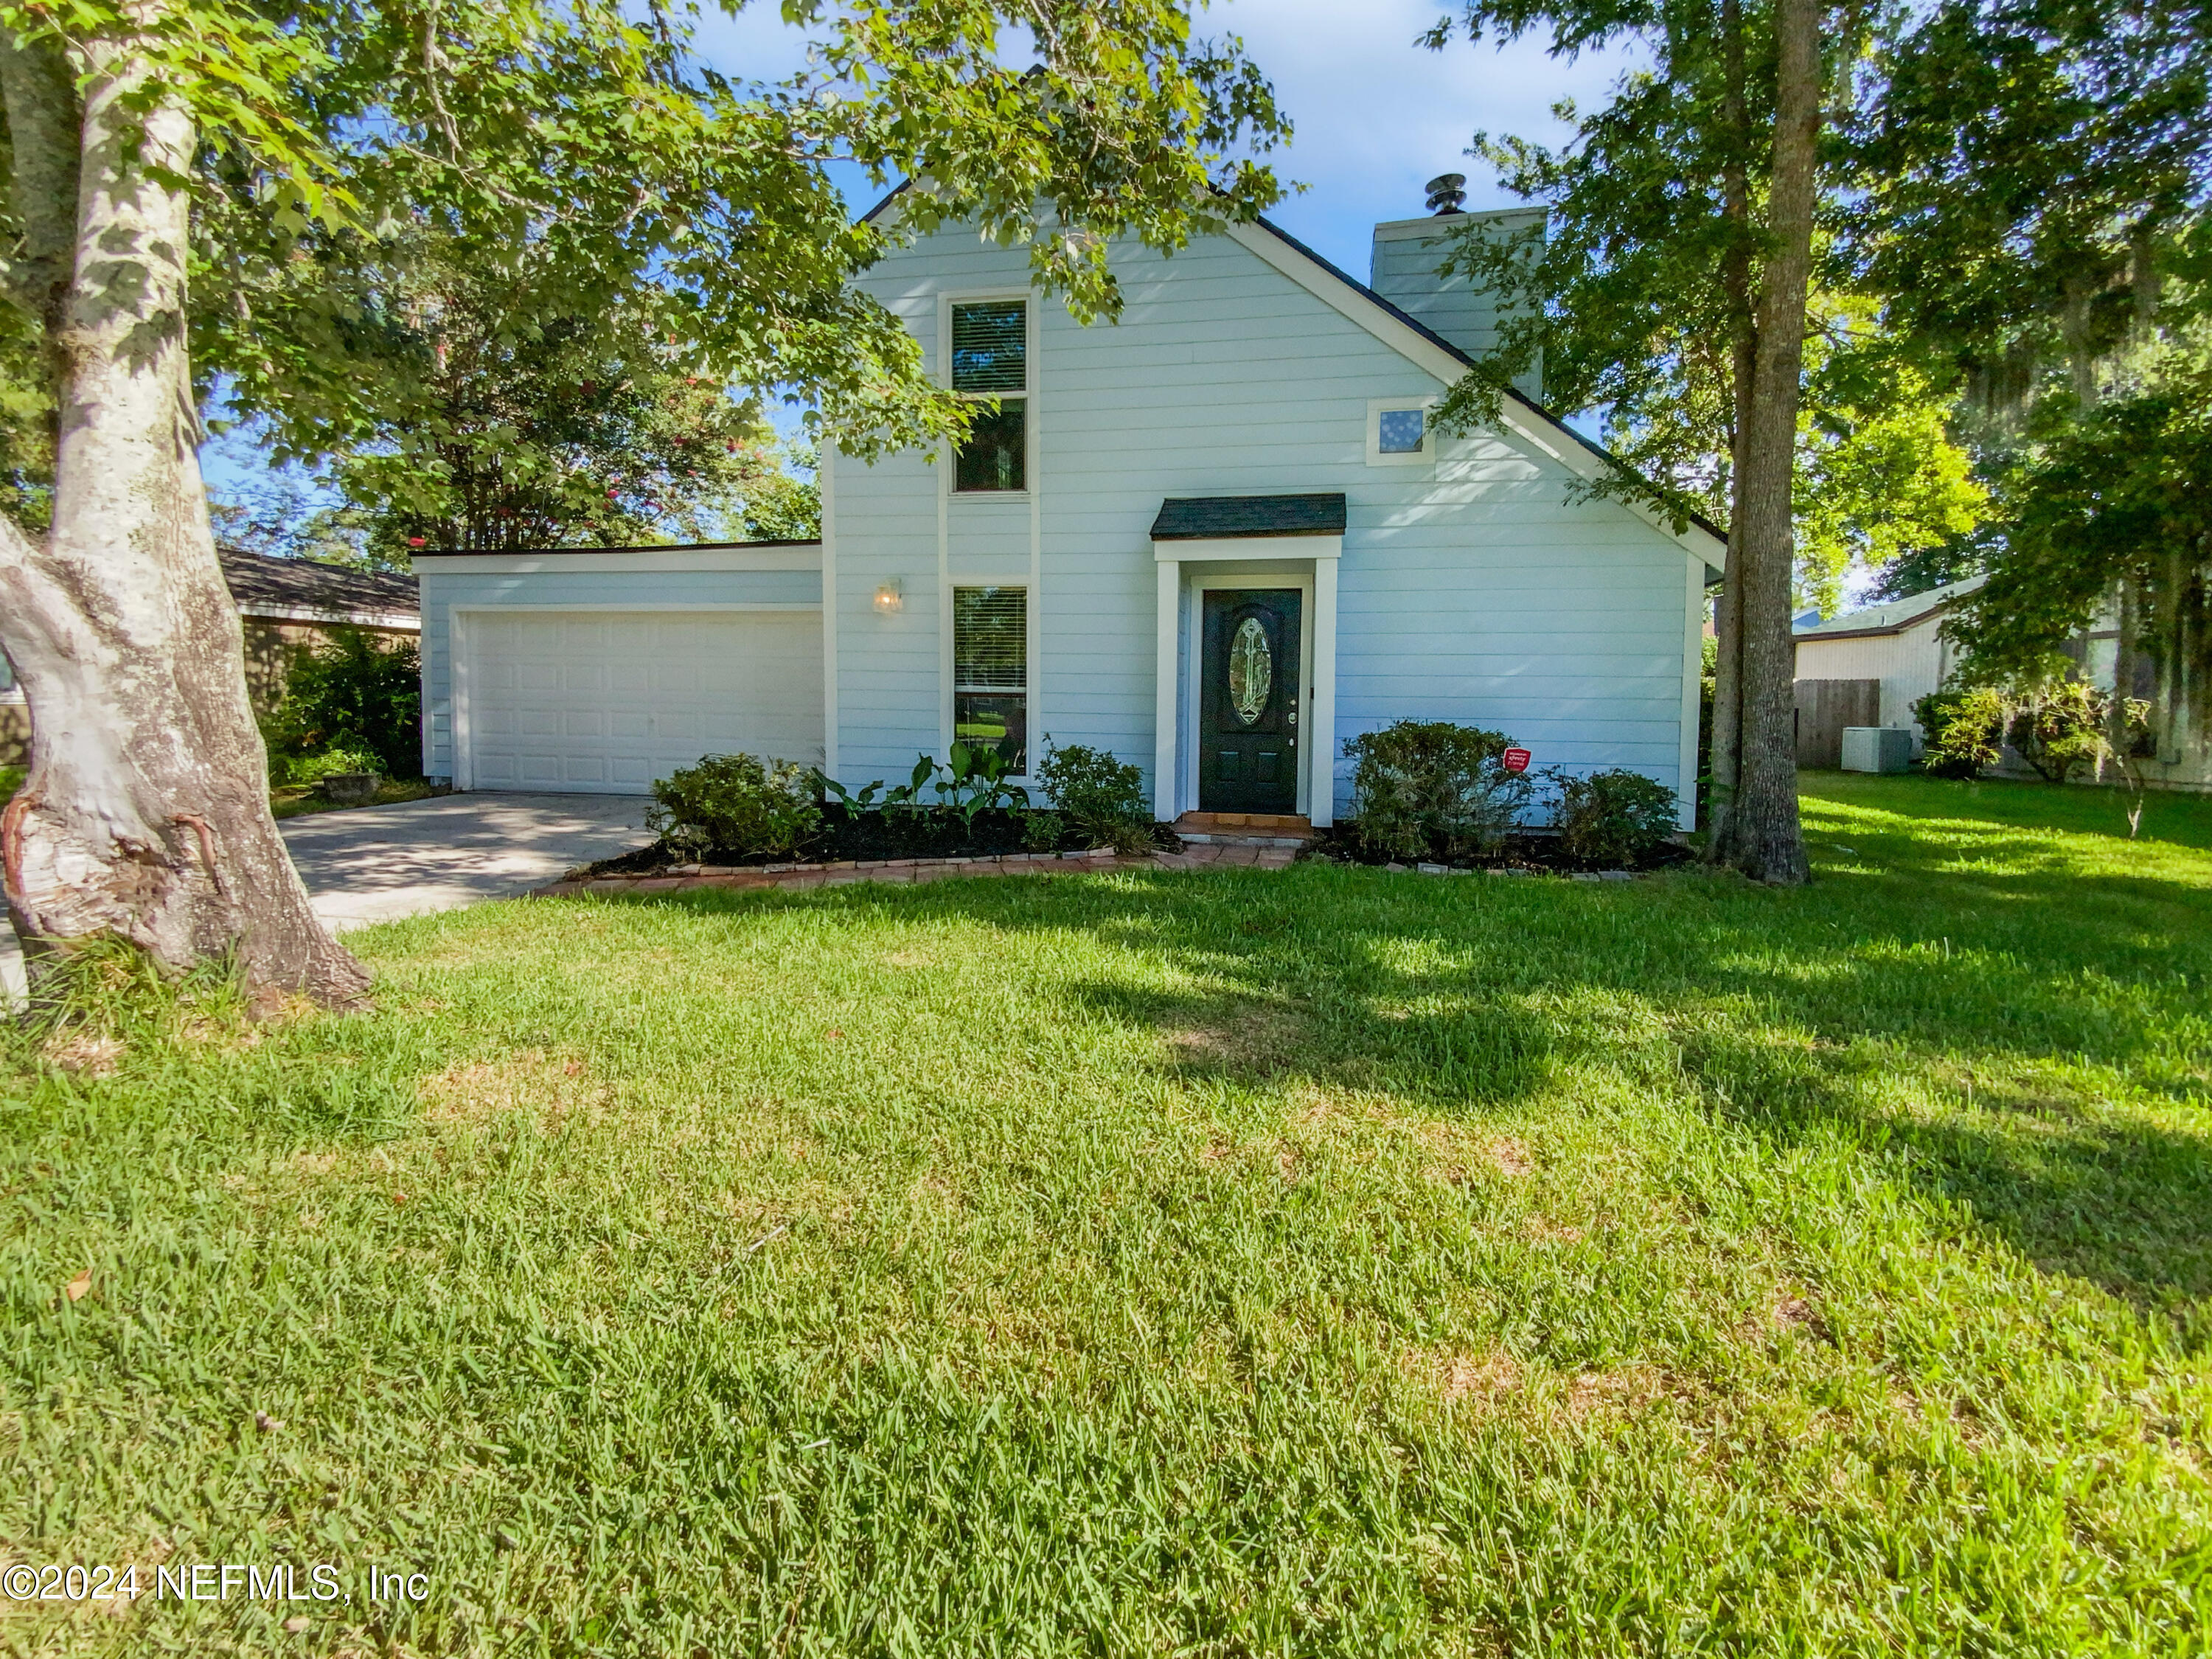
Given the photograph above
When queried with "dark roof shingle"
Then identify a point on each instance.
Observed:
(1209, 518)
(257, 581)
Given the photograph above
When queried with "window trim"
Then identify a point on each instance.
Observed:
(1377, 407)
(946, 299)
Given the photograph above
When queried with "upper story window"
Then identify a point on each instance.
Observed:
(1400, 431)
(990, 362)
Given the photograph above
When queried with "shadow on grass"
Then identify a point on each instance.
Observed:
(1927, 806)
(2013, 1057)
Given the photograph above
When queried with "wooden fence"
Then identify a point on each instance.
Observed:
(1825, 708)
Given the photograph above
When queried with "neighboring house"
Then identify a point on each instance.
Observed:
(1195, 537)
(1899, 643)
(288, 603)
(1899, 647)
(282, 603)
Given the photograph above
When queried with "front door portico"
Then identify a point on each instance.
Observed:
(1244, 717)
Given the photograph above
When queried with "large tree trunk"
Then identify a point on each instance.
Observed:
(146, 814)
(1724, 763)
(1763, 838)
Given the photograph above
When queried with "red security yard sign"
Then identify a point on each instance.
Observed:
(1516, 760)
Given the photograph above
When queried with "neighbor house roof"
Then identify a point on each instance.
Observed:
(1574, 450)
(302, 590)
(1894, 617)
(1209, 518)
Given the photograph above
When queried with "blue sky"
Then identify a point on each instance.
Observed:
(1375, 116)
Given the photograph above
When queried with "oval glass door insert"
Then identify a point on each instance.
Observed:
(1251, 670)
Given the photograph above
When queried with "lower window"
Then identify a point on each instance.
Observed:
(996, 453)
(991, 670)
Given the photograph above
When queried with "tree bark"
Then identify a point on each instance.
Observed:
(1725, 760)
(45, 126)
(1763, 838)
(146, 814)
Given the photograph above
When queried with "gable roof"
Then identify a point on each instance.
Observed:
(303, 590)
(1221, 518)
(1894, 618)
(1429, 351)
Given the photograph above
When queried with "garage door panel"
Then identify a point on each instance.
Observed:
(599, 702)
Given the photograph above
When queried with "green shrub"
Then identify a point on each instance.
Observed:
(735, 804)
(1612, 818)
(1964, 730)
(2067, 728)
(353, 689)
(313, 769)
(1042, 831)
(1103, 798)
(1428, 787)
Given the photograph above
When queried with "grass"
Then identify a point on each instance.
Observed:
(1230, 1263)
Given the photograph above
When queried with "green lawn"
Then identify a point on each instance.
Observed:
(1332, 1261)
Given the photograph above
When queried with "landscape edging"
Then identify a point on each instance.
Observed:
(845, 872)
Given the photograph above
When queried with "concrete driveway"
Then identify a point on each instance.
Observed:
(375, 863)
(378, 862)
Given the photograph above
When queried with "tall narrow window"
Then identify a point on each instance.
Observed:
(991, 669)
(990, 362)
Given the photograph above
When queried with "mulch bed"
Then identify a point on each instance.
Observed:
(867, 837)
(1529, 855)
(874, 838)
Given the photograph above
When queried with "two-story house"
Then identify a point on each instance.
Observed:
(1218, 538)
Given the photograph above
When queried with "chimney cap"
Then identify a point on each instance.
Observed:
(1446, 192)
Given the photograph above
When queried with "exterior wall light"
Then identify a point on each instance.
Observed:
(890, 597)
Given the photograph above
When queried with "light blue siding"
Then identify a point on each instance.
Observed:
(1477, 588)
(1402, 268)
(442, 592)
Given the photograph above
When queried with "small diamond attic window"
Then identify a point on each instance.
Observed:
(1402, 431)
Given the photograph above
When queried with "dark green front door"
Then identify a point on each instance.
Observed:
(1248, 698)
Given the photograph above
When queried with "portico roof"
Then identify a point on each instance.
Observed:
(1222, 518)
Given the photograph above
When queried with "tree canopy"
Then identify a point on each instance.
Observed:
(586, 146)
(227, 193)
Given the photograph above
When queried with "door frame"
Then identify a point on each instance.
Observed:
(1231, 579)
(463, 642)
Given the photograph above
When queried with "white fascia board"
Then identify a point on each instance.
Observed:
(1248, 548)
(537, 564)
(1547, 435)
(401, 622)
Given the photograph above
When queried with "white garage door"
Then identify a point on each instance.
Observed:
(607, 701)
